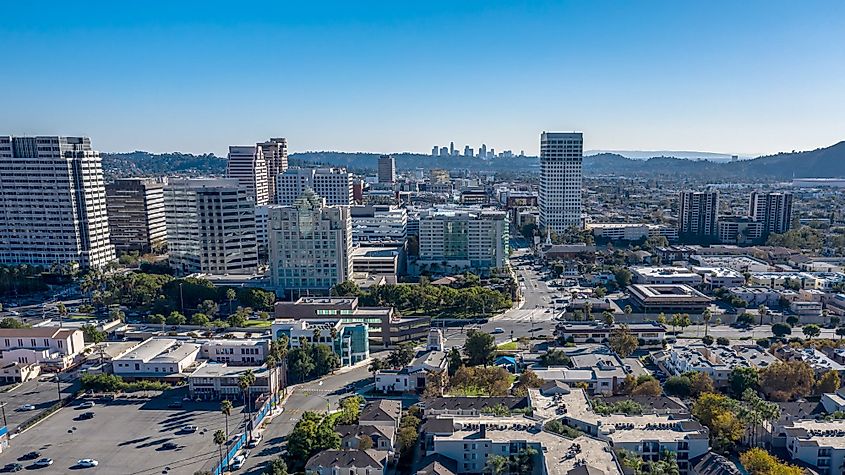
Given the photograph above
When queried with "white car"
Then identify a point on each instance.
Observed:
(86, 405)
(86, 463)
(189, 428)
(237, 462)
(45, 462)
(27, 407)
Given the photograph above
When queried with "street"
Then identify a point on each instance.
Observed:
(317, 396)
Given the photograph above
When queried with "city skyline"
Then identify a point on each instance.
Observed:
(170, 77)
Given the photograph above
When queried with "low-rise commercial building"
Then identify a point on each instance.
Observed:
(235, 352)
(667, 298)
(214, 381)
(52, 348)
(377, 261)
(739, 263)
(349, 341)
(458, 239)
(650, 334)
(157, 358)
(631, 231)
(665, 275)
(719, 277)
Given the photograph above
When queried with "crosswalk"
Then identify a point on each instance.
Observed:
(528, 315)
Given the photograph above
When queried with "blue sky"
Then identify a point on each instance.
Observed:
(726, 76)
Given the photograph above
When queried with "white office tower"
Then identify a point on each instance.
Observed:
(561, 154)
(248, 166)
(333, 184)
(386, 169)
(310, 246)
(460, 239)
(379, 225)
(275, 153)
(773, 210)
(210, 227)
(52, 203)
(136, 214)
(698, 213)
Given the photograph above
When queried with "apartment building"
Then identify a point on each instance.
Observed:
(248, 165)
(275, 153)
(561, 156)
(52, 203)
(351, 462)
(332, 184)
(310, 246)
(698, 215)
(386, 169)
(50, 347)
(716, 361)
(210, 227)
(818, 443)
(136, 214)
(459, 239)
(631, 231)
(379, 225)
(772, 210)
(739, 230)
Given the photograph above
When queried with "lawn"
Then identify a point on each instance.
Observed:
(509, 346)
(258, 323)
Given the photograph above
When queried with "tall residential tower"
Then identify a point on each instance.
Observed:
(698, 213)
(561, 154)
(248, 165)
(773, 210)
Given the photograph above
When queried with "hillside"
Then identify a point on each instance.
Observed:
(828, 162)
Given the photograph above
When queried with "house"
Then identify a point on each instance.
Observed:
(413, 377)
(351, 462)
(381, 412)
(19, 372)
(382, 437)
(472, 406)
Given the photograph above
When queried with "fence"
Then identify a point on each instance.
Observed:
(259, 416)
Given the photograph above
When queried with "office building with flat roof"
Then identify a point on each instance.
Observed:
(136, 214)
(561, 156)
(248, 166)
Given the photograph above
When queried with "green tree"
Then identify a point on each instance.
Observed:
(347, 288)
(237, 319)
(718, 413)
(829, 382)
(376, 365)
(257, 298)
(680, 386)
(325, 360)
(811, 331)
(401, 356)
(554, 357)
(231, 295)
(706, 316)
(743, 378)
(479, 348)
(220, 439)
(762, 310)
(245, 381)
(622, 341)
(622, 276)
(300, 362)
(277, 467)
(208, 307)
(92, 335)
(497, 465)
(723, 341)
(607, 318)
(792, 320)
(455, 360)
(781, 329)
(176, 318)
(200, 319)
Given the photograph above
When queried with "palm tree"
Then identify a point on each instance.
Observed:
(220, 439)
(271, 363)
(226, 409)
(244, 382)
(705, 317)
(608, 318)
(497, 465)
(230, 296)
(762, 310)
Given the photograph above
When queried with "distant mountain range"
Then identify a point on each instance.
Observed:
(688, 155)
(828, 162)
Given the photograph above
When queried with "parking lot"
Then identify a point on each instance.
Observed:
(125, 436)
(40, 394)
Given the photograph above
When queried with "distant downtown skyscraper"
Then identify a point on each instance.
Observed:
(698, 214)
(561, 154)
(52, 203)
(386, 169)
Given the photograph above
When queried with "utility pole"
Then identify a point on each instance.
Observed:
(181, 299)
(3, 408)
(58, 388)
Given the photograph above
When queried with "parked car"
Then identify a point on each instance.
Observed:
(86, 405)
(27, 407)
(175, 404)
(189, 428)
(237, 462)
(498, 330)
(13, 467)
(253, 442)
(31, 455)
(169, 446)
(45, 462)
(87, 463)
(86, 415)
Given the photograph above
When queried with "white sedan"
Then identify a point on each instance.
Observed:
(86, 463)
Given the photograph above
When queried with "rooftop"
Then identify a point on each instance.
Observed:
(163, 350)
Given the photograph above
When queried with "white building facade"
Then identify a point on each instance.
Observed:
(463, 239)
(561, 156)
(247, 165)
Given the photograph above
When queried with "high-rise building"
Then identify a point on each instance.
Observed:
(386, 169)
(248, 165)
(458, 239)
(52, 203)
(467, 151)
(482, 151)
(435, 151)
(773, 210)
(444, 152)
(379, 225)
(333, 184)
(561, 154)
(698, 214)
(451, 148)
(275, 153)
(136, 214)
(492, 153)
(310, 245)
(210, 227)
